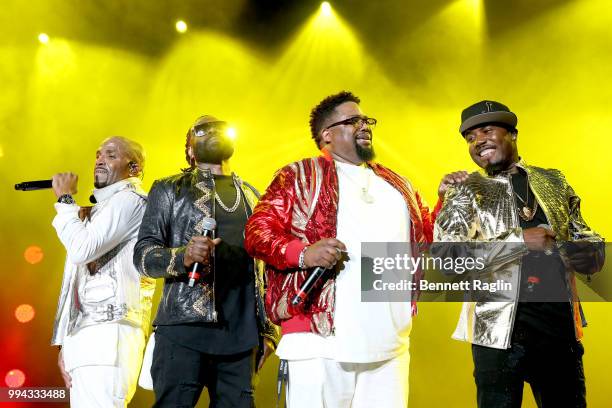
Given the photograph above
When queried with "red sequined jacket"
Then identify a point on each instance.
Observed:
(299, 208)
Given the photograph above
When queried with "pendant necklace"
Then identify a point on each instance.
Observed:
(527, 213)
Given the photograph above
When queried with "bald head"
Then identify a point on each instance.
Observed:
(132, 150)
(117, 158)
(205, 119)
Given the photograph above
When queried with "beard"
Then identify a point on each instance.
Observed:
(101, 180)
(364, 153)
(99, 184)
(213, 150)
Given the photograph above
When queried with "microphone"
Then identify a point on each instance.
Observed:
(308, 284)
(208, 227)
(33, 185)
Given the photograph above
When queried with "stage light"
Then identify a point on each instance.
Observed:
(181, 26)
(326, 9)
(33, 254)
(24, 313)
(14, 378)
(43, 38)
(231, 133)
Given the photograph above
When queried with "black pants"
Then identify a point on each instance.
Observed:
(553, 370)
(179, 375)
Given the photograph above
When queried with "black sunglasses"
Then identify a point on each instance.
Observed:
(206, 128)
(355, 121)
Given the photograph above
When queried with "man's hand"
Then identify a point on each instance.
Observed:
(65, 375)
(85, 213)
(325, 253)
(583, 256)
(450, 179)
(64, 183)
(539, 239)
(199, 249)
(268, 348)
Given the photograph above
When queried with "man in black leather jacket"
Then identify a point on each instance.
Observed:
(206, 335)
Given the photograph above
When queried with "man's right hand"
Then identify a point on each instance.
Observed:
(60, 363)
(449, 180)
(199, 249)
(325, 253)
(539, 239)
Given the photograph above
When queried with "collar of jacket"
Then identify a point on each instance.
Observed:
(104, 193)
(326, 155)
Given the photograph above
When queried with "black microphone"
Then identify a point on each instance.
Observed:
(34, 185)
(308, 284)
(208, 227)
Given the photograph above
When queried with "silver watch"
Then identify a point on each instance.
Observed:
(66, 199)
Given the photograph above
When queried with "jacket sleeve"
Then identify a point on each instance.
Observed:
(458, 223)
(152, 256)
(116, 221)
(268, 231)
(579, 231)
(426, 217)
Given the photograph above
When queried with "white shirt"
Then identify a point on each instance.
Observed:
(364, 332)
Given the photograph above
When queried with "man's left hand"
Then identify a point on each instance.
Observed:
(268, 348)
(582, 256)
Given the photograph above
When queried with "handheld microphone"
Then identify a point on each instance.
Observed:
(34, 185)
(208, 227)
(308, 284)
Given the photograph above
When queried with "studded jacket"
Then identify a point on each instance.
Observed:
(175, 212)
(299, 208)
(483, 209)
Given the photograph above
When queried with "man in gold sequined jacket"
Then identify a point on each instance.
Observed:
(206, 334)
(537, 239)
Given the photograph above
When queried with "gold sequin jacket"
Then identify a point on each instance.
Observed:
(483, 208)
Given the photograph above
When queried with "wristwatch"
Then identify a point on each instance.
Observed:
(66, 199)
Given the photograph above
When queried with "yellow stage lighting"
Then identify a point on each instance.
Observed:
(326, 9)
(43, 38)
(231, 133)
(181, 26)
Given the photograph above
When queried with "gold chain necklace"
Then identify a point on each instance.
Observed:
(235, 206)
(364, 187)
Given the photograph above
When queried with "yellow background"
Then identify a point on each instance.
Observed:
(60, 100)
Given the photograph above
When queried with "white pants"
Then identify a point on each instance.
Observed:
(325, 383)
(98, 381)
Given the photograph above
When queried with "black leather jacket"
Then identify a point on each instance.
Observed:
(175, 210)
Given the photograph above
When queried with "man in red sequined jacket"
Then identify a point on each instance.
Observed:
(316, 213)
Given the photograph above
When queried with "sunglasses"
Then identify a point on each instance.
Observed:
(207, 128)
(355, 121)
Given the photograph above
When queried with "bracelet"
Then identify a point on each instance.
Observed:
(301, 263)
